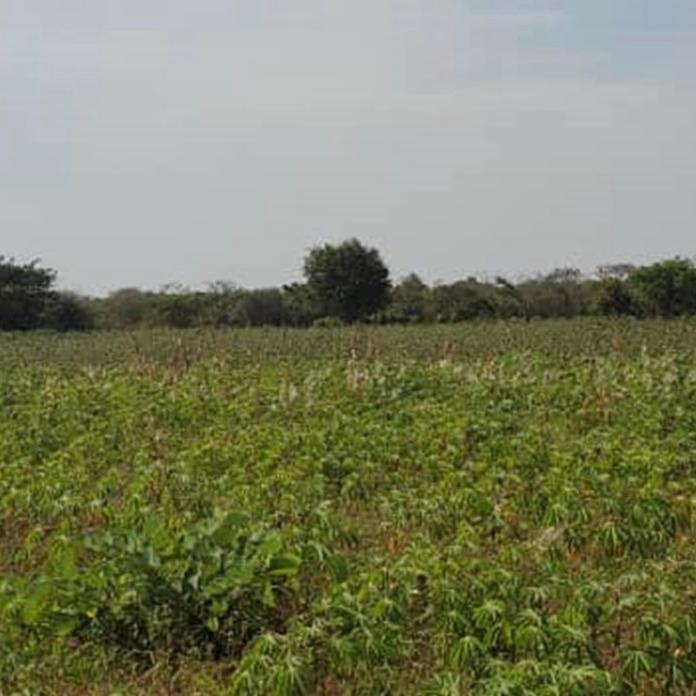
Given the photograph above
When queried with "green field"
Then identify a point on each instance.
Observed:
(492, 508)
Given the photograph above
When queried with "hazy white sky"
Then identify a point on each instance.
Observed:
(152, 141)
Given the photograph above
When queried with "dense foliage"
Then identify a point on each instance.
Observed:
(492, 508)
(25, 292)
(661, 289)
(29, 301)
(347, 283)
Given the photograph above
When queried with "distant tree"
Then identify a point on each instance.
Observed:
(561, 293)
(615, 297)
(667, 287)
(67, 311)
(349, 281)
(130, 308)
(511, 303)
(221, 300)
(25, 292)
(410, 301)
(260, 307)
(465, 299)
(180, 308)
(300, 307)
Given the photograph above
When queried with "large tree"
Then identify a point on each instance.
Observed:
(349, 280)
(25, 294)
(668, 287)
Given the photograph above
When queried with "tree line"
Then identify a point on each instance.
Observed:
(349, 283)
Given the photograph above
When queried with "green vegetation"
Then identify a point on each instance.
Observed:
(346, 284)
(347, 281)
(28, 300)
(490, 508)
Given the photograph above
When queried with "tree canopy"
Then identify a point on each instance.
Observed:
(25, 293)
(349, 280)
(346, 283)
(668, 287)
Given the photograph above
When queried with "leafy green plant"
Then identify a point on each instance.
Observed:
(211, 588)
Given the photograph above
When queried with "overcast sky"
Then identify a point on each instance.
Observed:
(152, 141)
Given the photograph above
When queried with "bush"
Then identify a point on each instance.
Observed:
(212, 588)
(68, 312)
(615, 298)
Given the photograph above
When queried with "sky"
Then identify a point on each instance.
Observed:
(145, 142)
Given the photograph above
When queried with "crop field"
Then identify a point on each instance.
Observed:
(491, 508)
